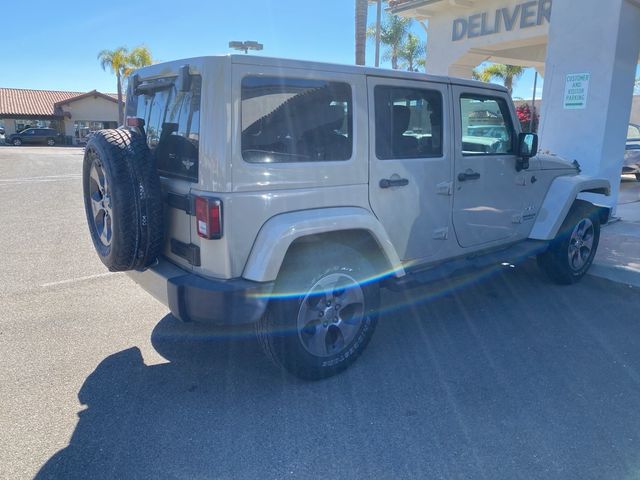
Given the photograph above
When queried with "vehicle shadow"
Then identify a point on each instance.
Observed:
(505, 376)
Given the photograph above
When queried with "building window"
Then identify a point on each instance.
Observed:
(36, 123)
(83, 128)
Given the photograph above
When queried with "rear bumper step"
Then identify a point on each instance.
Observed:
(193, 298)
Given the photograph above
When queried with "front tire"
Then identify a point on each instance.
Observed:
(572, 252)
(17, 142)
(320, 319)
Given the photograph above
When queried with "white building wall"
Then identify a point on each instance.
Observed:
(9, 126)
(93, 108)
(460, 38)
(606, 47)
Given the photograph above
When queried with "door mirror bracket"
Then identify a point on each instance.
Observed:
(527, 148)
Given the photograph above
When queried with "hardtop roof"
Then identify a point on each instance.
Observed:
(359, 69)
(325, 66)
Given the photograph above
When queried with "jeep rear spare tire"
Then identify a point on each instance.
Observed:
(123, 200)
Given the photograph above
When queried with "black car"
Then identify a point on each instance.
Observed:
(32, 136)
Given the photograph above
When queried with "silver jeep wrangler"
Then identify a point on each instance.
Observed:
(287, 193)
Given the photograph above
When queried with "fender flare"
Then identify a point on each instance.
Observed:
(562, 193)
(279, 232)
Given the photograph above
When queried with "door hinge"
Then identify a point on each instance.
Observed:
(444, 188)
(184, 202)
(441, 233)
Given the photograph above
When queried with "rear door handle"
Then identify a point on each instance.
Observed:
(395, 182)
(468, 175)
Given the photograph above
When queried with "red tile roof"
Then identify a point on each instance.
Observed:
(21, 101)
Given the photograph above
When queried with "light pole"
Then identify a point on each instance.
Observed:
(246, 45)
(378, 17)
(533, 102)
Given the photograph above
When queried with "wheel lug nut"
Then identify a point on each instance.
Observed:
(321, 314)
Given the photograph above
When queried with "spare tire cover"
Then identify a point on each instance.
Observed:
(123, 200)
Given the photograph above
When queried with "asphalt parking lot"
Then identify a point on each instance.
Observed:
(499, 376)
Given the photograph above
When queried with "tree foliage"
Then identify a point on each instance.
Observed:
(394, 32)
(508, 74)
(122, 62)
(524, 117)
(412, 53)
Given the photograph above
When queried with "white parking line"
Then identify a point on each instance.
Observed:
(49, 178)
(77, 279)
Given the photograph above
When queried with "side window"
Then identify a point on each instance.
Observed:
(295, 120)
(408, 122)
(487, 128)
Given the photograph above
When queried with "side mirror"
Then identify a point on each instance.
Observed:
(527, 148)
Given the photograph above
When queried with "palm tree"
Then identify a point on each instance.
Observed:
(122, 62)
(116, 61)
(509, 74)
(139, 57)
(361, 31)
(393, 32)
(412, 53)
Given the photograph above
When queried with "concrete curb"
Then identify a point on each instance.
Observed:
(623, 275)
(618, 257)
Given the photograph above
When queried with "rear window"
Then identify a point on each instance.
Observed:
(295, 120)
(172, 120)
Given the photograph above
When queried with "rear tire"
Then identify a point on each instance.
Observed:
(51, 142)
(323, 313)
(572, 252)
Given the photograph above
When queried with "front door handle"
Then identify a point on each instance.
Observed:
(393, 182)
(468, 175)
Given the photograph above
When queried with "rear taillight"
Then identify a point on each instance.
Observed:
(209, 217)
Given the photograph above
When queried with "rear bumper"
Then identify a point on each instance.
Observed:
(193, 298)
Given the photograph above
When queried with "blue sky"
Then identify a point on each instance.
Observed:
(53, 45)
